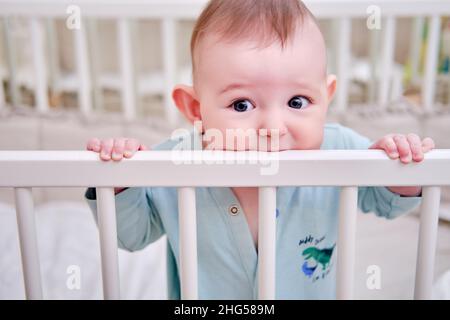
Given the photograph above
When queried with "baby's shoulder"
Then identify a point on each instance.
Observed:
(180, 139)
(333, 136)
(339, 137)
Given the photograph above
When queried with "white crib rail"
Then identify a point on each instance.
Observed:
(126, 69)
(267, 202)
(188, 242)
(169, 12)
(108, 242)
(387, 58)
(427, 242)
(28, 243)
(429, 80)
(82, 70)
(40, 70)
(346, 242)
(348, 169)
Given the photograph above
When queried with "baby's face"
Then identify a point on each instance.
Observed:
(241, 85)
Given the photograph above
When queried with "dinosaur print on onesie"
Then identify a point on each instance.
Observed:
(317, 261)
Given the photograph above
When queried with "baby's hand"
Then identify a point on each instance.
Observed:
(407, 148)
(115, 149)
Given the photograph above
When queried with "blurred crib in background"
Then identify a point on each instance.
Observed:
(387, 54)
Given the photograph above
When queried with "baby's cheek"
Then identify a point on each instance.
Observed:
(308, 138)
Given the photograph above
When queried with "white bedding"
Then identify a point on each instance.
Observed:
(68, 236)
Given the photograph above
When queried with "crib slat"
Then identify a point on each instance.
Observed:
(53, 61)
(429, 216)
(10, 51)
(168, 37)
(2, 91)
(2, 95)
(126, 69)
(188, 243)
(106, 214)
(82, 65)
(28, 243)
(93, 32)
(416, 44)
(343, 63)
(387, 62)
(429, 80)
(40, 70)
(348, 204)
(373, 55)
(267, 228)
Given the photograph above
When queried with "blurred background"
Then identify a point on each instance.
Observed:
(71, 70)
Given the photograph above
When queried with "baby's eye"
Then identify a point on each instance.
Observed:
(242, 105)
(299, 102)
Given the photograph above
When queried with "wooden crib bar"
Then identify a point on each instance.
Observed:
(188, 243)
(348, 169)
(429, 216)
(431, 63)
(28, 243)
(267, 205)
(82, 70)
(346, 243)
(40, 70)
(387, 61)
(106, 211)
(126, 69)
(343, 62)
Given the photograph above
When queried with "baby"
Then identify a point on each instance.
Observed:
(261, 65)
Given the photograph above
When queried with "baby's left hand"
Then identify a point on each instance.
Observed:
(407, 148)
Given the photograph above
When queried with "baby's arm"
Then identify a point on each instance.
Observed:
(388, 202)
(138, 222)
(408, 148)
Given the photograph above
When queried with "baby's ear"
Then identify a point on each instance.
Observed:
(331, 86)
(186, 101)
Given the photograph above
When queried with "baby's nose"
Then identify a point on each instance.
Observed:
(274, 125)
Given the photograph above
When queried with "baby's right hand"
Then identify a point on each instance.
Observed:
(115, 149)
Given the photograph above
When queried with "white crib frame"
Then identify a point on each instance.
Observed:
(24, 170)
(171, 11)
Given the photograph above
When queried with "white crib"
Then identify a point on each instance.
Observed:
(86, 80)
(348, 169)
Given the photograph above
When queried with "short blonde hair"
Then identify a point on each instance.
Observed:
(264, 20)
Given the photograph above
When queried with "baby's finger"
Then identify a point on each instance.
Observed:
(427, 144)
(106, 146)
(131, 146)
(93, 145)
(403, 148)
(389, 147)
(118, 149)
(143, 147)
(416, 147)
